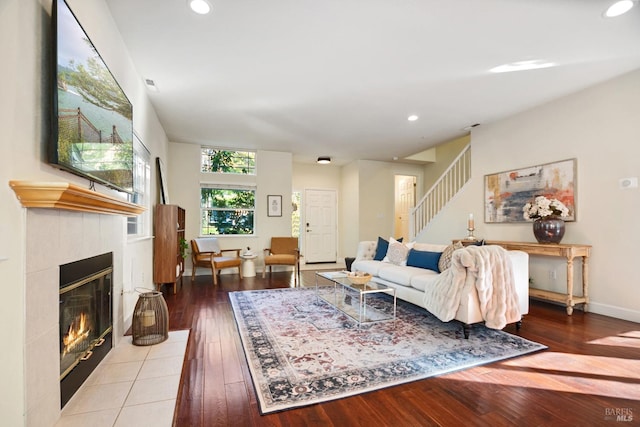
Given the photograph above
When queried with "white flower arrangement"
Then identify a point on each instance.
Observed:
(543, 207)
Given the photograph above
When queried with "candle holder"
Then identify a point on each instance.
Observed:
(150, 324)
(470, 235)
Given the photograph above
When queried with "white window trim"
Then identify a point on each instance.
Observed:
(144, 219)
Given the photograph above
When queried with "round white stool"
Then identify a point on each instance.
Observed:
(248, 266)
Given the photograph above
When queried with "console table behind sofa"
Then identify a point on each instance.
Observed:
(568, 251)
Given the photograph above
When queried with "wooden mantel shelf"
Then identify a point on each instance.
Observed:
(63, 195)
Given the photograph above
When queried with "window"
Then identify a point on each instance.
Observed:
(296, 198)
(225, 210)
(137, 225)
(225, 161)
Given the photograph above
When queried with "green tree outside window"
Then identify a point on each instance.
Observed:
(224, 161)
(227, 211)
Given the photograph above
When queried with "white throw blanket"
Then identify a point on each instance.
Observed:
(489, 269)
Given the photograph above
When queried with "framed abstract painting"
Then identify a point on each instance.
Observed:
(506, 193)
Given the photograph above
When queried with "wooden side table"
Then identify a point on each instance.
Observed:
(568, 251)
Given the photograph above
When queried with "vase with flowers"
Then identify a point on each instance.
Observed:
(547, 215)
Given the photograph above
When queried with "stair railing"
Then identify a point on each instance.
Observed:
(447, 185)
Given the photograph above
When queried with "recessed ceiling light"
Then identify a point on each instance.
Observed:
(201, 7)
(533, 64)
(412, 118)
(618, 8)
(324, 160)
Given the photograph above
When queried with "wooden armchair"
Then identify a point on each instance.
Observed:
(206, 252)
(283, 251)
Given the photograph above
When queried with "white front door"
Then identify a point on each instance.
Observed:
(320, 226)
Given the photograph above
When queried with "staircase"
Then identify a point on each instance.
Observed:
(447, 186)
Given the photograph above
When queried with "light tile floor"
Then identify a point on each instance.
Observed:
(133, 386)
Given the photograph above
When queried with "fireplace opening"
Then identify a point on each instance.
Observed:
(86, 322)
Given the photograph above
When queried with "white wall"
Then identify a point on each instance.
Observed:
(19, 137)
(350, 210)
(184, 184)
(275, 171)
(376, 196)
(317, 177)
(273, 177)
(25, 30)
(598, 127)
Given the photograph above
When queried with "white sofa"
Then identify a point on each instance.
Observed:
(410, 282)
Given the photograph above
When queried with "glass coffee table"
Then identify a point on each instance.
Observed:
(351, 298)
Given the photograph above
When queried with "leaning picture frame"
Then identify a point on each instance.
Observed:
(274, 205)
(506, 193)
(162, 179)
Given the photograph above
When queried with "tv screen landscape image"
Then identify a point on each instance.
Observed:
(92, 133)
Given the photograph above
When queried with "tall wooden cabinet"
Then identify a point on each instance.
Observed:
(168, 264)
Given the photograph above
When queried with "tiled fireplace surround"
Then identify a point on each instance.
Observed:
(56, 237)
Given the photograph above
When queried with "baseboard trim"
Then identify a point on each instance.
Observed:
(204, 272)
(614, 311)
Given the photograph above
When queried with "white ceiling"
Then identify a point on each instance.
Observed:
(340, 77)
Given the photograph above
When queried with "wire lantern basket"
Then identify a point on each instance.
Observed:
(150, 319)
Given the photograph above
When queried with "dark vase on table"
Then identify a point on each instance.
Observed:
(549, 229)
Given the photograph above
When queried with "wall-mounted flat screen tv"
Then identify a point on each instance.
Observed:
(92, 128)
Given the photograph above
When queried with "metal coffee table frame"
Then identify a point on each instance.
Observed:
(340, 282)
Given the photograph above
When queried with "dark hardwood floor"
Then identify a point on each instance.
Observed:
(589, 375)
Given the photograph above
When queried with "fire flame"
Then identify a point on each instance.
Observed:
(76, 334)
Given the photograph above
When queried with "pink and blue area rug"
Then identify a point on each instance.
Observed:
(302, 350)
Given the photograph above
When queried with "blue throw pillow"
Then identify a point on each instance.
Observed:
(382, 248)
(424, 259)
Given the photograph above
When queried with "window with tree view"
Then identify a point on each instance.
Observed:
(226, 211)
(225, 161)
